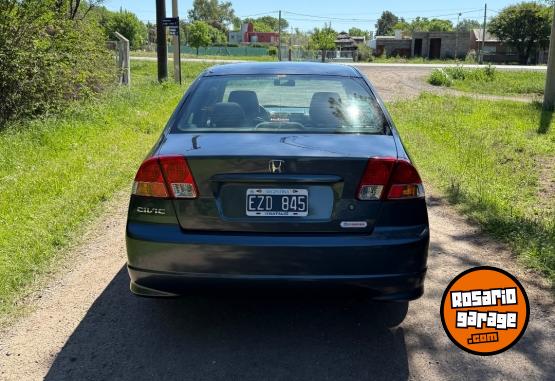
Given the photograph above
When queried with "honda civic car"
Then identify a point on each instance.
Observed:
(278, 174)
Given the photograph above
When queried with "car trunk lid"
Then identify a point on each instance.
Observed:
(326, 168)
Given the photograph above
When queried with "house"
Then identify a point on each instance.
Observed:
(498, 51)
(397, 45)
(359, 39)
(441, 45)
(247, 35)
(236, 36)
(446, 45)
(494, 49)
(345, 45)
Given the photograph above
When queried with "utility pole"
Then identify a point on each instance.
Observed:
(279, 36)
(457, 38)
(290, 44)
(161, 48)
(549, 94)
(484, 34)
(176, 47)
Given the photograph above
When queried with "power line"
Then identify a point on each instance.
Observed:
(458, 10)
(311, 18)
(259, 14)
(318, 17)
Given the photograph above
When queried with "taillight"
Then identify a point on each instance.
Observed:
(405, 182)
(149, 180)
(165, 176)
(375, 178)
(389, 178)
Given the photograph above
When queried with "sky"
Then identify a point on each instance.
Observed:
(343, 14)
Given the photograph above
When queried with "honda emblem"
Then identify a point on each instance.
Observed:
(277, 166)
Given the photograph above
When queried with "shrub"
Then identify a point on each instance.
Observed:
(456, 73)
(363, 53)
(490, 72)
(272, 51)
(486, 74)
(439, 77)
(471, 56)
(48, 58)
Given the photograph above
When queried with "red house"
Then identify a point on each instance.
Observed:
(261, 37)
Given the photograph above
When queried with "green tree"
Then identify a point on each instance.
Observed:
(151, 32)
(467, 25)
(438, 25)
(217, 37)
(324, 40)
(384, 26)
(404, 26)
(267, 23)
(259, 26)
(357, 32)
(423, 24)
(525, 26)
(129, 25)
(219, 15)
(200, 34)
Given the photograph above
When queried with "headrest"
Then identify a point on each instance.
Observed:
(325, 109)
(226, 115)
(247, 100)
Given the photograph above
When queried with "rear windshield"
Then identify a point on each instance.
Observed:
(280, 103)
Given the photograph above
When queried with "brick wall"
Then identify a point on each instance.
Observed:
(448, 43)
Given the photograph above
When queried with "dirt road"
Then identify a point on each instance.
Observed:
(400, 82)
(85, 325)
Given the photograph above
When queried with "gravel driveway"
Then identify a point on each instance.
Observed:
(85, 325)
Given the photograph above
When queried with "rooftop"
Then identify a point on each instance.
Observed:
(287, 68)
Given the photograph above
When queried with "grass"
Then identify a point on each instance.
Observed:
(492, 159)
(489, 81)
(414, 60)
(208, 57)
(56, 172)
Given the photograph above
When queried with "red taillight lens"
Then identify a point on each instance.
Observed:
(149, 180)
(405, 182)
(178, 177)
(375, 178)
(165, 176)
(396, 178)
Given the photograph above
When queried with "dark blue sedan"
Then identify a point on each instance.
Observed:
(279, 174)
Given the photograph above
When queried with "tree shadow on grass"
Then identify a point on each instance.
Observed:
(546, 117)
(254, 337)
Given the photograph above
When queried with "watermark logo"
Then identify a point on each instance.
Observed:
(485, 311)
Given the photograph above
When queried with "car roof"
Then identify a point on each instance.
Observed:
(268, 68)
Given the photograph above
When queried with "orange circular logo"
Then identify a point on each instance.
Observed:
(485, 310)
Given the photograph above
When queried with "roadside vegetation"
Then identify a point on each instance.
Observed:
(56, 172)
(488, 80)
(495, 160)
(139, 53)
(414, 60)
(50, 53)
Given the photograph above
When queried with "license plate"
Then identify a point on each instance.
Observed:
(277, 202)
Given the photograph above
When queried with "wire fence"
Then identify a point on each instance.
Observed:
(224, 51)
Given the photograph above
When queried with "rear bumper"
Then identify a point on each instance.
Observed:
(163, 260)
(379, 287)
